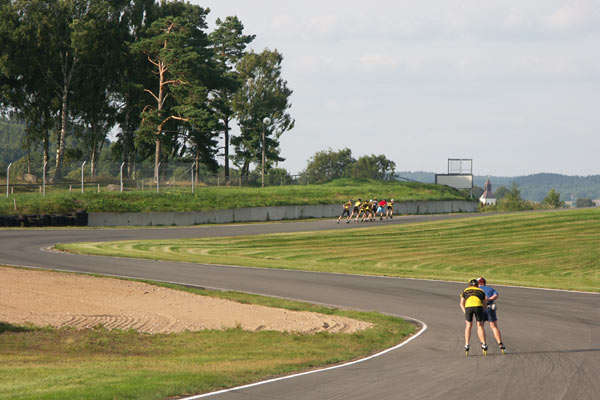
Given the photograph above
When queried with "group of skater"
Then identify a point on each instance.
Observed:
(367, 211)
(479, 300)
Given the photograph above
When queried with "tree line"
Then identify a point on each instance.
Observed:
(75, 70)
(327, 165)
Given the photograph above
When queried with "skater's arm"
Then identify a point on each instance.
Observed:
(494, 296)
(462, 304)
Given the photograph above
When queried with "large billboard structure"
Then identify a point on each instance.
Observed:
(459, 176)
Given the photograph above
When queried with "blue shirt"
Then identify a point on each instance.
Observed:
(489, 292)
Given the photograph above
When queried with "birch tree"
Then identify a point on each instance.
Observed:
(263, 94)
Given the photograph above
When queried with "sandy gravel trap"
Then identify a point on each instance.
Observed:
(45, 298)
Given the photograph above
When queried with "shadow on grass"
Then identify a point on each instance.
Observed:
(4, 327)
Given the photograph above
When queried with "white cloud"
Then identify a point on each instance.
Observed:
(500, 71)
(574, 15)
(379, 62)
(311, 64)
(321, 25)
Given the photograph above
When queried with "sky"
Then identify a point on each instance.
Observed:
(512, 84)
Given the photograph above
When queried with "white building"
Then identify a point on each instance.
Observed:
(487, 198)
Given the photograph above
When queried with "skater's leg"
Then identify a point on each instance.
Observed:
(496, 331)
(468, 332)
(481, 332)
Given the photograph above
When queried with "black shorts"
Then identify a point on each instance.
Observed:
(346, 212)
(489, 315)
(477, 311)
(355, 210)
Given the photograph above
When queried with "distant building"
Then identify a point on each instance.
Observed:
(487, 198)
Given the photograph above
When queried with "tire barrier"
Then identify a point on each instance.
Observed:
(79, 218)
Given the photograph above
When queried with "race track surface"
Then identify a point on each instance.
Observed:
(553, 337)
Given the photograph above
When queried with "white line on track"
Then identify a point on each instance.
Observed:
(410, 339)
(424, 328)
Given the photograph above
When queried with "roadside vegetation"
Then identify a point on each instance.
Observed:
(554, 249)
(48, 363)
(510, 199)
(215, 198)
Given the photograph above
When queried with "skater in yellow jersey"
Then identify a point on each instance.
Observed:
(356, 209)
(390, 209)
(472, 302)
(365, 208)
(346, 211)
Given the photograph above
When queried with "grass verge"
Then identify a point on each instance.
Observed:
(214, 198)
(556, 250)
(47, 363)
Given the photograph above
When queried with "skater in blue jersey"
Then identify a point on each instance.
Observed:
(472, 303)
(489, 312)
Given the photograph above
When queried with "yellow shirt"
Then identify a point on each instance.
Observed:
(474, 296)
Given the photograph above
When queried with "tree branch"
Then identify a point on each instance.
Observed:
(155, 63)
(151, 94)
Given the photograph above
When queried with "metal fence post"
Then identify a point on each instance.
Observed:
(82, 165)
(121, 173)
(44, 177)
(193, 167)
(8, 178)
(158, 178)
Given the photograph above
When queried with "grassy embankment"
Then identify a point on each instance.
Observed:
(552, 250)
(48, 363)
(214, 198)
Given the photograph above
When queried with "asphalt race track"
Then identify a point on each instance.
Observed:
(552, 337)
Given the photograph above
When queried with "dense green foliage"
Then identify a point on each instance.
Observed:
(554, 249)
(327, 165)
(47, 363)
(509, 199)
(216, 198)
(584, 203)
(553, 200)
(148, 69)
(262, 105)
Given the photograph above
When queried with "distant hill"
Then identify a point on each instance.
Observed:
(533, 187)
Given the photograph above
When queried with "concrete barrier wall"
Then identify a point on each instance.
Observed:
(264, 214)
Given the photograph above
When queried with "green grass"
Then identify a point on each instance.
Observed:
(557, 250)
(48, 363)
(215, 198)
